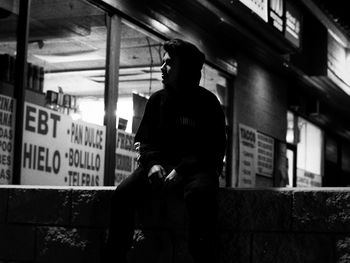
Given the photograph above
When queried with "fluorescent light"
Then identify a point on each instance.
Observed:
(60, 59)
(159, 26)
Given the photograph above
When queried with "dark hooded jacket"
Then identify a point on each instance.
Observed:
(183, 130)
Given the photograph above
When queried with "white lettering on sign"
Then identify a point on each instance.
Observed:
(7, 122)
(277, 7)
(247, 156)
(338, 62)
(60, 151)
(257, 6)
(125, 156)
(265, 160)
(308, 179)
(292, 25)
(276, 14)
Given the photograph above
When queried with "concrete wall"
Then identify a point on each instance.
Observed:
(255, 226)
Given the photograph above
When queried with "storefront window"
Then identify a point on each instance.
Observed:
(141, 55)
(291, 128)
(292, 138)
(309, 155)
(8, 44)
(215, 82)
(140, 76)
(64, 136)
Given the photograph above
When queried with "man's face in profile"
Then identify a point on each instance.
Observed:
(170, 70)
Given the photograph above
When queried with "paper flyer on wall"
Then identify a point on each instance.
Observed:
(247, 156)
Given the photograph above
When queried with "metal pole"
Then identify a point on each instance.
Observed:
(111, 95)
(20, 84)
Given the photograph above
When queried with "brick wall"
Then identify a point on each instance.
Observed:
(39, 224)
(260, 102)
(260, 98)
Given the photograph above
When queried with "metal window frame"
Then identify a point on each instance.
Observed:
(110, 93)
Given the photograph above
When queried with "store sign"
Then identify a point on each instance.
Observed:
(292, 24)
(125, 156)
(338, 62)
(276, 10)
(59, 151)
(259, 7)
(7, 134)
(247, 156)
(308, 179)
(265, 160)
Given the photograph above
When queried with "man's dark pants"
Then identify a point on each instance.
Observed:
(200, 199)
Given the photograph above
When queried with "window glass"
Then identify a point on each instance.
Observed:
(139, 77)
(290, 165)
(141, 55)
(214, 81)
(290, 138)
(309, 154)
(64, 136)
(8, 44)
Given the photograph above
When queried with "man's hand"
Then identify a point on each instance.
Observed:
(156, 174)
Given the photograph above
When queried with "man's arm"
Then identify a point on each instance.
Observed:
(149, 153)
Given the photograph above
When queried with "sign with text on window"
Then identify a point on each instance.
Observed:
(276, 12)
(125, 156)
(265, 157)
(292, 24)
(257, 6)
(57, 150)
(7, 133)
(338, 59)
(308, 179)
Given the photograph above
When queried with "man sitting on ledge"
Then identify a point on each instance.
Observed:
(182, 145)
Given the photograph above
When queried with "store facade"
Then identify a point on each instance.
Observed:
(76, 76)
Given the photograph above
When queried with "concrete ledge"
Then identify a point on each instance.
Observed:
(17, 242)
(39, 206)
(59, 244)
(91, 208)
(65, 224)
(3, 204)
(256, 210)
(292, 247)
(322, 211)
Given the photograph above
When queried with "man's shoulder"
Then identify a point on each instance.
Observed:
(158, 94)
(208, 95)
